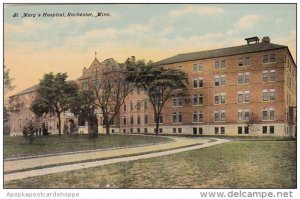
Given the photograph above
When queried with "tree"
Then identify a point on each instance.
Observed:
(83, 106)
(110, 88)
(7, 79)
(159, 83)
(252, 123)
(53, 96)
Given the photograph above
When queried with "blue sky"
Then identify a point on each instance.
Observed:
(147, 31)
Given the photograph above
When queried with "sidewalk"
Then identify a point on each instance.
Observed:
(112, 156)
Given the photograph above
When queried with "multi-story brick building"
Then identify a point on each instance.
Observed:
(242, 90)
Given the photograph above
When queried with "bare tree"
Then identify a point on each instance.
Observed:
(110, 89)
(252, 124)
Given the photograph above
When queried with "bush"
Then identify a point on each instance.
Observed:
(29, 131)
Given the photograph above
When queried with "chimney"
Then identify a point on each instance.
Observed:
(266, 39)
(252, 40)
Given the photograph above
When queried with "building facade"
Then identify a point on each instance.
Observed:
(242, 90)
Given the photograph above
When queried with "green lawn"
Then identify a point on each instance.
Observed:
(19, 147)
(237, 164)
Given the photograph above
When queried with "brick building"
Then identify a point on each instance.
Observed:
(241, 90)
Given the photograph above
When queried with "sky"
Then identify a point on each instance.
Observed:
(34, 46)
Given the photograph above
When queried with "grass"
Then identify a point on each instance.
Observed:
(19, 147)
(237, 164)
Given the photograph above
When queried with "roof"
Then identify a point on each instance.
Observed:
(108, 61)
(257, 47)
(27, 90)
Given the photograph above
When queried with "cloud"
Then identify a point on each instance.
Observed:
(247, 22)
(196, 9)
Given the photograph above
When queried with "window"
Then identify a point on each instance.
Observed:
(180, 101)
(124, 130)
(194, 131)
(247, 96)
(217, 98)
(124, 120)
(124, 107)
(240, 78)
(179, 130)
(177, 101)
(131, 130)
(246, 114)
(131, 119)
(264, 129)
(240, 97)
(240, 62)
(216, 116)
(174, 117)
(247, 78)
(240, 115)
(246, 130)
(200, 67)
(272, 129)
(272, 114)
(200, 99)
(174, 101)
(200, 82)
(265, 114)
(222, 98)
(195, 99)
(200, 116)
(265, 95)
(195, 83)
(161, 118)
(272, 94)
(146, 104)
(247, 61)
(131, 105)
(145, 130)
(217, 64)
(195, 117)
(272, 57)
(216, 130)
(200, 130)
(179, 117)
(217, 80)
(174, 130)
(223, 80)
(265, 76)
(223, 115)
(138, 119)
(195, 67)
(222, 130)
(138, 105)
(145, 119)
(272, 75)
(266, 58)
(240, 130)
(160, 130)
(223, 64)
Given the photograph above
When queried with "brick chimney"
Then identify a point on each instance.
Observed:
(266, 39)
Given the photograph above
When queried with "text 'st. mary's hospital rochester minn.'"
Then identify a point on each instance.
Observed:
(62, 14)
(241, 90)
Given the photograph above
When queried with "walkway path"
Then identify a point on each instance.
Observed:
(34, 165)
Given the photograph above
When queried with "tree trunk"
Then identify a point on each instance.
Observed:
(107, 128)
(59, 124)
(157, 127)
